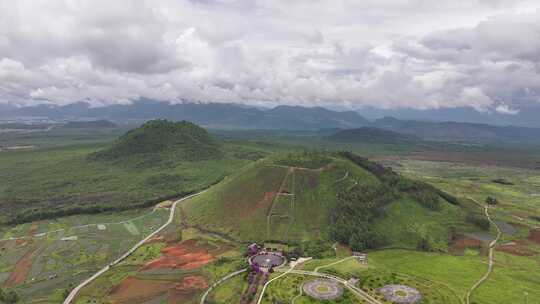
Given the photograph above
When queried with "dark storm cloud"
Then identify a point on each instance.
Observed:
(385, 53)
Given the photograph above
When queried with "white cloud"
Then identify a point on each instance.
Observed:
(504, 109)
(404, 53)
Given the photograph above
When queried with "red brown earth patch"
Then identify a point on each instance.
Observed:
(262, 204)
(33, 228)
(516, 248)
(534, 235)
(21, 242)
(22, 268)
(458, 246)
(187, 288)
(189, 283)
(467, 243)
(186, 256)
(133, 290)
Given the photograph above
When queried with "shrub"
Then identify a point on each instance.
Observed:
(490, 200)
(479, 221)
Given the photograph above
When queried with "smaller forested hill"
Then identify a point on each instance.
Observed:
(162, 139)
(157, 161)
(371, 135)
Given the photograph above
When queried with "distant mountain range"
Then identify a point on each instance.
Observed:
(236, 116)
(527, 116)
(372, 135)
(459, 131)
(210, 115)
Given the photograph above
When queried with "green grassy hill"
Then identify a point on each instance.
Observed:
(159, 140)
(335, 197)
(159, 160)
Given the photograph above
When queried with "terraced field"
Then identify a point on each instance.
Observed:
(43, 260)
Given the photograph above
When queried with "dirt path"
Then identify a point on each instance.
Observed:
(332, 264)
(77, 289)
(291, 207)
(491, 249)
(271, 210)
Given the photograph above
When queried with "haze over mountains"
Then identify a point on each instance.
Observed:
(237, 116)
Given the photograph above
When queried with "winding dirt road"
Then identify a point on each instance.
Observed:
(491, 248)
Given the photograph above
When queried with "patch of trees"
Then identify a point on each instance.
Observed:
(424, 244)
(305, 159)
(478, 220)
(166, 180)
(502, 181)
(30, 215)
(317, 249)
(384, 174)
(534, 217)
(9, 297)
(449, 197)
(424, 193)
(356, 209)
(490, 200)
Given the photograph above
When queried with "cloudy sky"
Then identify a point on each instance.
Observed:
(344, 54)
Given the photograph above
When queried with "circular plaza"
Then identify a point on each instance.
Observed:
(267, 260)
(400, 294)
(323, 289)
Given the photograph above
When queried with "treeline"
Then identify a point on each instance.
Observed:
(305, 159)
(32, 215)
(426, 194)
(357, 208)
(8, 297)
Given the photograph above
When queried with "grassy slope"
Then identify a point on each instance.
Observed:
(238, 207)
(316, 194)
(511, 280)
(406, 222)
(512, 276)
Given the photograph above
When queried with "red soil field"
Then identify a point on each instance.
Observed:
(187, 289)
(21, 242)
(516, 248)
(22, 268)
(133, 290)
(534, 235)
(33, 229)
(186, 255)
(467, 243)
(459, 246)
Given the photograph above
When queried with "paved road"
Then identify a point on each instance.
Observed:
(359, 292)
(77, 289)
(225, 278)
(332, 264)
(491, 247)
